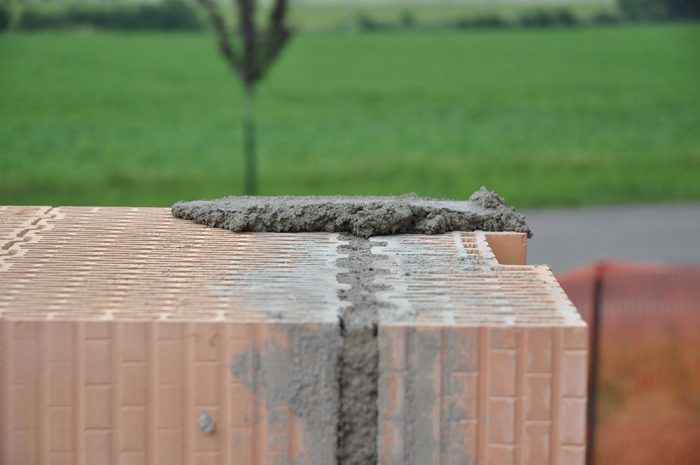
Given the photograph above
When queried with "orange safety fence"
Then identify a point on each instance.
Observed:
(647, 407)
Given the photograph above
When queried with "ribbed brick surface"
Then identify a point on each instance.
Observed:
(120, 326)
(455, 278)
(455, 395)
(142, 264)
(479, 363)
(130, 393)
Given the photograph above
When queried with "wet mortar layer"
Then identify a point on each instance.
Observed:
(360, 216)
(359, 357)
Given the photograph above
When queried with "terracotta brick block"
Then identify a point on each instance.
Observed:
(538, 394)
(509, 248)
(501, 455)
(97, 446)
(506, 351)
(130, 337)
(537, 443)
(61, 431)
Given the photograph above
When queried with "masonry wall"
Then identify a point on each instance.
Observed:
(95, 393)
(465, 395)
(120, 328)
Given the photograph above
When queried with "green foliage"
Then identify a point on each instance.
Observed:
(408, 19)
(605, 18)
(166, 15)
(543, 17)
(660, 9)
(548, 18)
(334, 16)
(485, 21)
(365, 22)
(545, 117)
(5, 17)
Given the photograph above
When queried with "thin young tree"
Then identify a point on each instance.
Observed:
(251, 60)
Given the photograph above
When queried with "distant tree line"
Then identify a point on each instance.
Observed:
(181, 15)
(660, 9)
(175, 15)
(535, 18)
(541, 17)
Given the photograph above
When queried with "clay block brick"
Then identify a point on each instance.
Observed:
(509, 248)
(574, 366)
(502, 373)
(24, 447)
(98, 407)
(507, 351)
(133, 385)
(132, 346)
(24, 406)
(537, 443)
(169, 401)
(61, 458)
(502, 421)
(120, 327)
(501, 455)
(60, 342)
(538, 392)
(573, 455)
(98, 361)
(539, 350)
(115, 405)
(572, 421)
(25, 360)
(97, 446)
(61, 431)
(133, 425)
(167, 447)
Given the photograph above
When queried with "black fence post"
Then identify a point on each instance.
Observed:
(593, 362)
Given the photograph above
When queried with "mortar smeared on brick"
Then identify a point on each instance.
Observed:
(359, 358)
(302, 375)
(360, 216)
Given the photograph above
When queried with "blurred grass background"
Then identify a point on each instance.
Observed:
(545, 117)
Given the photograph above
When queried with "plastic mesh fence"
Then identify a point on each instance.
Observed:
(648, 408)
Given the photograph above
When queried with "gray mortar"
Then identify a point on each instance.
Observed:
(360, 216)
(359, 359)
(206, 423)
(303, 376)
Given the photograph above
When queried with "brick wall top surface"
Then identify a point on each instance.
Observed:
(454, 279)
(85, 263)
(143, 264)
(16, 222)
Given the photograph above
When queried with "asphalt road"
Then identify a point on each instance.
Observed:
(568, 238)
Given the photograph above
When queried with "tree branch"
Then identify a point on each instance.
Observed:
(217, 22)
(246, 20)
(277, 33)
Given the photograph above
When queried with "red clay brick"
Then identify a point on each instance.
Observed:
(520, 356)
(119, 326)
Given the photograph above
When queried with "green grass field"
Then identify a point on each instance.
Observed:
(545, 117)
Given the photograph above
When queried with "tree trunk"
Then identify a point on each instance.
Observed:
(250, 181)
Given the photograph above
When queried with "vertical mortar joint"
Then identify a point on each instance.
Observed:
(359, 357)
